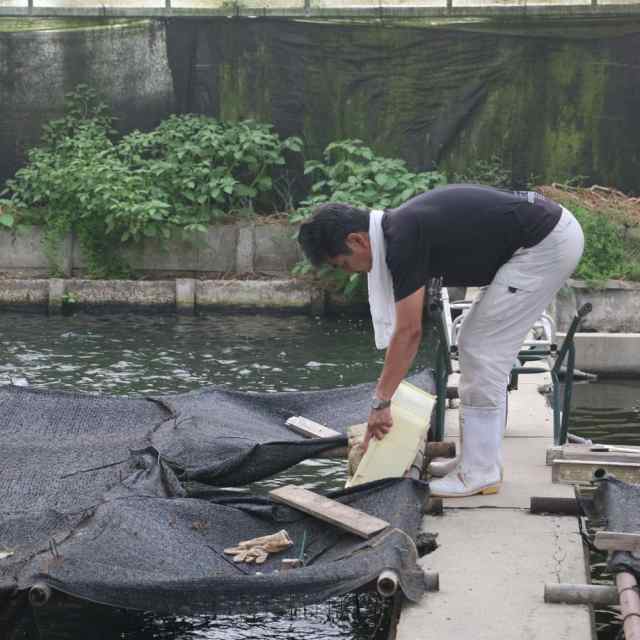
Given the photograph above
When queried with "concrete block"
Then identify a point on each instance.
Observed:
(258, 294)
(613, 354)
(219, 251)
(22, 251)
(277, 251)
(66, 255)
(56, 295)
(126, 292)
(185, 295)
(24, 291)
(616, 308)
(176, 254)
(245, 249)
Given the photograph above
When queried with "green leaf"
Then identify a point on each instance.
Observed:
(6, 220)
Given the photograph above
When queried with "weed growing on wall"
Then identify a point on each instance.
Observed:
(611, 224)
(183, 175)
(351, 172)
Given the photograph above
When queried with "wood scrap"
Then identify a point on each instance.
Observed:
(341, 515)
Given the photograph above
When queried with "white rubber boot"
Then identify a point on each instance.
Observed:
(439, 467)
(480, 468)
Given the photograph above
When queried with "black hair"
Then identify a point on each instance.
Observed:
(324, 235)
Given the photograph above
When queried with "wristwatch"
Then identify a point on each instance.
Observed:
(377, 404)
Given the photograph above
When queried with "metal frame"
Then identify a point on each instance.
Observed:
(536, 349)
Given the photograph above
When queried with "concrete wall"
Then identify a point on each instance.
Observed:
(616, 307)
(608, 354)
(128, 65)
(251, 247)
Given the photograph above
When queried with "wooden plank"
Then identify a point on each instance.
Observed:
(310, 429)
(338, 514)
(392, 456)
(615, 541)
(581, 471)
(587, 454)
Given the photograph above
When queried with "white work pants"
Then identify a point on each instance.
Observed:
(497, 324)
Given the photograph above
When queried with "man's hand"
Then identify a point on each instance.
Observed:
(378, 425)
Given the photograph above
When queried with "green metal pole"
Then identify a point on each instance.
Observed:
(568, 391)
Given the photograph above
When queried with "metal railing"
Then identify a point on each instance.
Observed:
(535, 351)
(321, 9)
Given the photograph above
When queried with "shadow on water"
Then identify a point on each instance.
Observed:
(607, 412)
(135, 354)
(355, 616)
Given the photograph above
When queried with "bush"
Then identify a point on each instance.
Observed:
(604, 254)
(181, 176)
(353, 174)
(490, 172)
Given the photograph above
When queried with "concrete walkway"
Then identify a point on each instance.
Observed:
(494, 556)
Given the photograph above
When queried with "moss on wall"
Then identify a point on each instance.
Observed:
(552, 98)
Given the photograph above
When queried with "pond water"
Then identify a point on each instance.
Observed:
(139, 354)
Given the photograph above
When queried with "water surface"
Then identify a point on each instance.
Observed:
(136, 354)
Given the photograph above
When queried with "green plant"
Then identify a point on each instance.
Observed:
(181, 176)
(352, 173)
(490, 172)
(604, 253)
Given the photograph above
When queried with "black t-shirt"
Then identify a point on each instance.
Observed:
(463, 233)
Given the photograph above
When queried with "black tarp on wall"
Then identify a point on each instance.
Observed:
(552, 98)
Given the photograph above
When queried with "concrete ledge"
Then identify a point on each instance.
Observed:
(608, 354)
(24, 291)
(123, 292)
(260, 294)
(184, 294)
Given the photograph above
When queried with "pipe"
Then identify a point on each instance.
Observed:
(431, 581)
(443, 449)
(388, 582)
(39, 594)
(629, 604)
(560, 506)
(432, 506)
(564, 593)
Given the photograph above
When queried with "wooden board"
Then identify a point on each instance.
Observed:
(581, 471)
(392, 456)
(584, 452)
(310, 429)
(614, 541)
(338, 514)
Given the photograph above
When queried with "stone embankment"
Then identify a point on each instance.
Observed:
(247, 266)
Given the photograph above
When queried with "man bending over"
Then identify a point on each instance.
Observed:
(520, 246)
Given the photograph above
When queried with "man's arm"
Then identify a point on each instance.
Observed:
(400, 354)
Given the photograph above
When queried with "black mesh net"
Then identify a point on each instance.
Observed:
(97, 503)
(615, 506)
